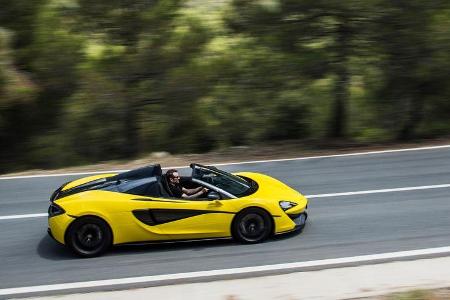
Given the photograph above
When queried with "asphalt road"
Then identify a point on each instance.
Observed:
(338, 226)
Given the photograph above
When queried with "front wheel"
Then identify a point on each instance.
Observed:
(252, 225)
(89, 236)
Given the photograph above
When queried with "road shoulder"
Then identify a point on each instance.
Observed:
(279, 151)
(339, 283)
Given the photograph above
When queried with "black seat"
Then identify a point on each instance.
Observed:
(164, 184)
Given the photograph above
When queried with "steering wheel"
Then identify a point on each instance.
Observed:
(208, 179)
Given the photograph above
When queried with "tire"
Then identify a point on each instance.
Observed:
(89, 236)
(252, 225)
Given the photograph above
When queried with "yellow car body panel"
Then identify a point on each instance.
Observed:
(84, 180)
(58, 226)
(214, 218)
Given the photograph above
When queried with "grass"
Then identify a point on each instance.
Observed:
(438, 294)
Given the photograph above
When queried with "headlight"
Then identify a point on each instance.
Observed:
(55, 210)
(285, 205)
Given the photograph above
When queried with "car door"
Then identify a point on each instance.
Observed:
(191, 219)
(202, 218)
(162, 217)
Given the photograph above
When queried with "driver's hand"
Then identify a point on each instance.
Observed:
(205, 190)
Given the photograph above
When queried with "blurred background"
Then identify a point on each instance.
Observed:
(83, 81)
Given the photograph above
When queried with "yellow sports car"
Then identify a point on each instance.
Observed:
(91, 214)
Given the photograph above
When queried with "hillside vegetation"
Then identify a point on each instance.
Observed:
(86, 81)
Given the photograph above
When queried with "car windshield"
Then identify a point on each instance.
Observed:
(230, 183)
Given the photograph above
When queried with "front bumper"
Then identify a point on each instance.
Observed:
(292, 222)
(299, 220)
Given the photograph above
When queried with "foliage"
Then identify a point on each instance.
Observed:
(83, 81)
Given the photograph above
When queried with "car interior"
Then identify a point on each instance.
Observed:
(186, 182)
(151, 182)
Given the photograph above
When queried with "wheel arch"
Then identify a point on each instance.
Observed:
(89, 216)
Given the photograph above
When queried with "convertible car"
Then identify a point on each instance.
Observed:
(91, 214)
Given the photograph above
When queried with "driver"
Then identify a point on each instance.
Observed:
(173, 179)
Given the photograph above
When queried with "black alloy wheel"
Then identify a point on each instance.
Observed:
(89, 236)
(252, 225)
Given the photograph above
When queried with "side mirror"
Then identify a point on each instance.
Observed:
(213, 195)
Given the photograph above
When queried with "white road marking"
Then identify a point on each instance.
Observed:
(162, 279)
(402, 189)
(60, 174)
(23, 216)
(237, 163)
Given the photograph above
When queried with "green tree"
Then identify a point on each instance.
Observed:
(17, 91)
(19, 16)
(321, 35)
(415, 44)
(155, 39)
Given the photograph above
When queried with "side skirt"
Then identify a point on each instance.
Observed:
(172, 241)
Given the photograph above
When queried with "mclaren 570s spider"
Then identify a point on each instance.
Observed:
(91, 214)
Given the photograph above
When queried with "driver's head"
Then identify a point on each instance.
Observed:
(173, 176)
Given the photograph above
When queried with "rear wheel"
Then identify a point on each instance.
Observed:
(89, 236)
(252, 225)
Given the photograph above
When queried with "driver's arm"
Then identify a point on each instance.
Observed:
(195, 195)
(191, 191)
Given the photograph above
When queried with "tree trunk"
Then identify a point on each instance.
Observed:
(415, 115)
(131, 148)
(338, 120)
